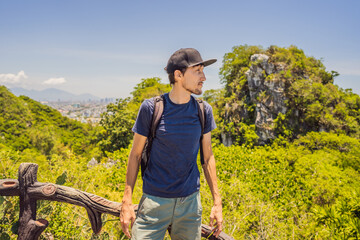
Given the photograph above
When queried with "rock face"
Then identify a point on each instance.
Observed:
(267, 92)
(226, 139)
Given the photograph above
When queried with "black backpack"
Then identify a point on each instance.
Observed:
(158, 110)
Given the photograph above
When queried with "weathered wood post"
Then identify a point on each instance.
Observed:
(30, 190)
(29, 227)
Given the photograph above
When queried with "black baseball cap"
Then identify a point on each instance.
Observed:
(184, 58)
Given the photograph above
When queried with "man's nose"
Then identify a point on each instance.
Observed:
(203, 78)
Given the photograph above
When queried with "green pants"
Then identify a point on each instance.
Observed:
(156, 214)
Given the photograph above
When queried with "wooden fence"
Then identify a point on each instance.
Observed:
(30, 190)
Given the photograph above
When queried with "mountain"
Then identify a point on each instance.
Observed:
(53, 95)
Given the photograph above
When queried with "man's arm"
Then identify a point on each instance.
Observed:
(127, 214)
(209, 168)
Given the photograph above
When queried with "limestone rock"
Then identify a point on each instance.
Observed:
(226, 139)
(267, 92)
(109, 164)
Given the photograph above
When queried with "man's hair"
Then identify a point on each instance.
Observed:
(172, 77)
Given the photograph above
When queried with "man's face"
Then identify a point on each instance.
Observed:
(193, 79)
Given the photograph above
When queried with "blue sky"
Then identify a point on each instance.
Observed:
(106, 47)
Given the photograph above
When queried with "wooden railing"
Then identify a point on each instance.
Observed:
(30, 190)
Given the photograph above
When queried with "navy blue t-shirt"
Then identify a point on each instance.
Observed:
(172, 169)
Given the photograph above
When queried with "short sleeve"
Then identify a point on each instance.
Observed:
(210, 121)
(144, 117)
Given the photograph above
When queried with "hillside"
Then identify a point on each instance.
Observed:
(27, 124)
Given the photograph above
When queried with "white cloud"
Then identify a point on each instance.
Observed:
(55, 81)
(12, 78)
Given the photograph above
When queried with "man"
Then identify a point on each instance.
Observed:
(171, 181)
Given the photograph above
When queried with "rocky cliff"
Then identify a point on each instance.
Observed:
(267, 93)
(280, 92)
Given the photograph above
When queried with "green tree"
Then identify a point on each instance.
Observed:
(43, 139)
(119, 118)
(117, 122)
(147, 88)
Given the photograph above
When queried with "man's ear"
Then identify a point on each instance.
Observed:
(177, 75)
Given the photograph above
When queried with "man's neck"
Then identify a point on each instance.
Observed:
(179, 96)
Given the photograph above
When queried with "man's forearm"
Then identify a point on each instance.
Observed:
(209, 168)
(131, 175)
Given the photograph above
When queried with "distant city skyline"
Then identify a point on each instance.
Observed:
(105, 48)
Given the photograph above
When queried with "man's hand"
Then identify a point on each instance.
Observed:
(127, 216)
(216, 214)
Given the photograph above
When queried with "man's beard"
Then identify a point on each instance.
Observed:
(195, 91)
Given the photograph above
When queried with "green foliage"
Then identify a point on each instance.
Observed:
(14, 119)
(314, 103)
(275, 192)
(43, 139)
(242, 132)
(117, 122)
(348, 146)
(315, 107)
(119, 118)
(322, 140)
(342, 218)
(148, 88)
(213, 95)
(61, 180)
(235, 63)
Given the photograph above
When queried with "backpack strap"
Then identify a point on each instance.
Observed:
(201, 113)
(158, 111)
